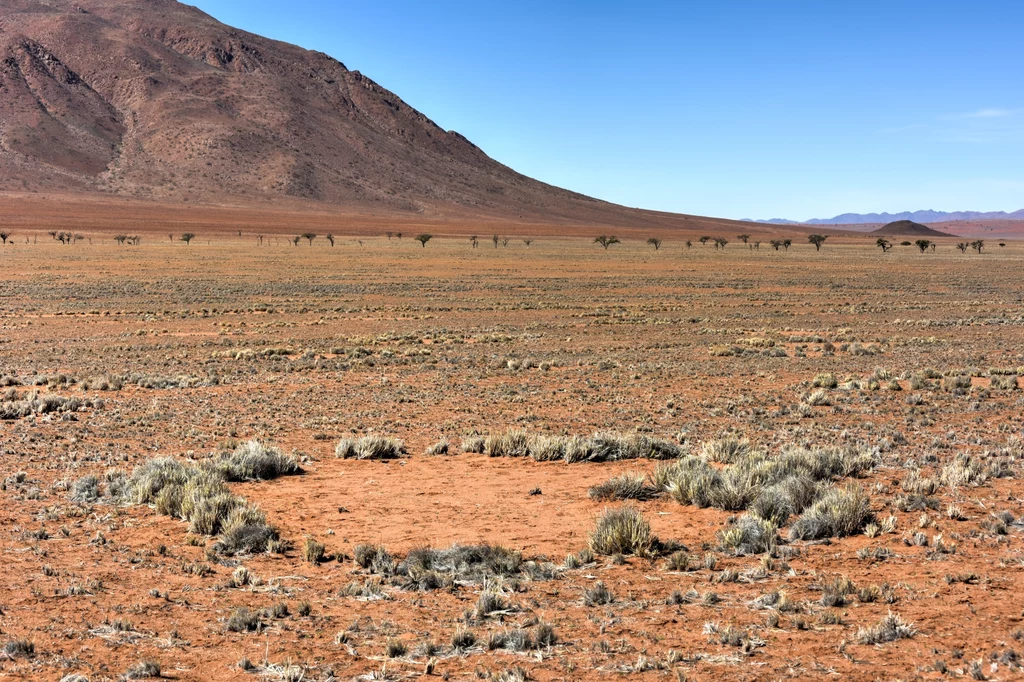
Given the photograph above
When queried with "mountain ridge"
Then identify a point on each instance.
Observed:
(156, 100)
(925, 216)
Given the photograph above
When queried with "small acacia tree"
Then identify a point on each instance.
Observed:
(606, 241)
(330, 238)
(776, 244)
(655, 242)
(5, 236)
(528, 241)
(786, 243)
(423, 239)
(720, 242)
(883, 243)
(817, 240)
(704, 240)
(495, 239)
(296, 239)
(743, 238)
(308, 235)
(187, 237)
(923, 244)
(689, 244)
(978, 245)
(474, 240)
(962, 246)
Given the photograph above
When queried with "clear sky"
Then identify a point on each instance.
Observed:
(738, 109)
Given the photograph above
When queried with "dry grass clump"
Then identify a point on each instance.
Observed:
(255, 461)
(749, 535)
(628, 486)
(199, 495)
(838, 512)
(623, 530)
(370, 447)
(769, 488)
(891, 628)
(599, 447)
(427, 569)
(11, 407)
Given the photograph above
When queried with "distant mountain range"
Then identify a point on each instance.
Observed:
(916, 216)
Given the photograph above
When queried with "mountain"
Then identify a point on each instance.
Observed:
(916, 216)
(908, 228)
(153, 99)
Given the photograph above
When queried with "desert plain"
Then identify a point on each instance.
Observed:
(818, 454)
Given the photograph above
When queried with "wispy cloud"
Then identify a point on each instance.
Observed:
(988, 113)
(981, 126)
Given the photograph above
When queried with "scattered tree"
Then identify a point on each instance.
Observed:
(505, 241)
(120, 239)
(398, 234)
(704, 240)
(743, 238)
(310, 236)
(883, 243)
(260, 237)
(776, 243)
(5, 236)
(296, 239)
(495, 239)
(978, 245)
(655, 242)
(923, 244)
(1002, 244)
(817, 240)
(528, 241)
(786, 243)
(474, 240)
(904, 243)
(330, 238)
(689, 244)
(606, 241)
(720, 242)
(187, 237)
(962, 246)
(423, 239)
(757, 246)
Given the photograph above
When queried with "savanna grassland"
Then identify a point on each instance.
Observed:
(227, 460)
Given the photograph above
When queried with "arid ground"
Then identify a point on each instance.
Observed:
(887, 382)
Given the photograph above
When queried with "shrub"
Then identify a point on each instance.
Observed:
(622, 531)
(838, 512)
(474, 444)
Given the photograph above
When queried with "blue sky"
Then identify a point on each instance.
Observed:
(735, 109)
